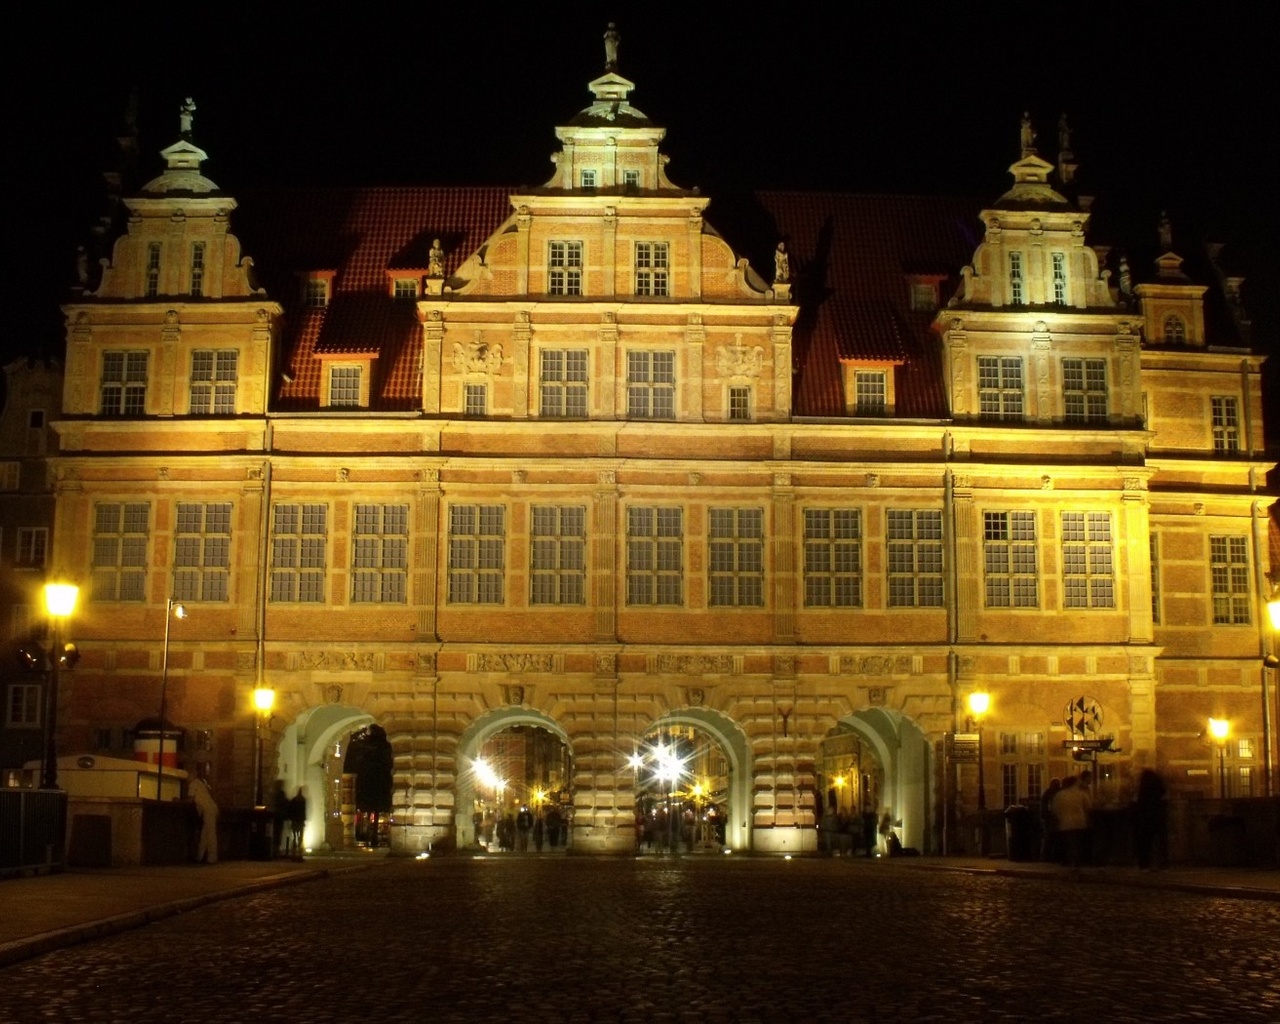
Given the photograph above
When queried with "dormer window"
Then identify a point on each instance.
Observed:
(1175, 330)
(924, 296)
(1017, 284)
(870, 393)
(153, 270)
(346, 386)
(404, 289)
(588, 177)
(197, 269)
(315, 292)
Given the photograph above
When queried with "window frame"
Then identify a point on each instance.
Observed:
(1085, 396)
(123, 381)
(119, 559)
(24, 705)
(1000, 396)
(31, 547)
(915, 558)
(299, 553)
(1224, 417)
(565, 258)
(653, 269)
(651, 389)
(735, 557)
(1087, 540)
(654, 556)
(379, 553)
(1010, 558)
(477, 540)
(564, 383)
(833, 573)
(558, 555)
(1229, 580)
(213, 387)
(202, 537)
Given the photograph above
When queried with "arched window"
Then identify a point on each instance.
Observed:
(1175, 330)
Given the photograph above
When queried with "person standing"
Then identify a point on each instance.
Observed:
(1150, 820)
(1049, 844)
(297, 822)
(524, 823)
(207, 848)
(1071, 809)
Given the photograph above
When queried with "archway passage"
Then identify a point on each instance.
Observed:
(850, 787)
(683, 791)
(521, 800)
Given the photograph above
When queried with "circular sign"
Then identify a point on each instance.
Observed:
(1084, 717)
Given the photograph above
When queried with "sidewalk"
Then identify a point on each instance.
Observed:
(47, 912)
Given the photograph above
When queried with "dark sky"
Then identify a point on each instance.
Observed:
(1169, 110)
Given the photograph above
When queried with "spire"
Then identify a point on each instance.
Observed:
(182, 162)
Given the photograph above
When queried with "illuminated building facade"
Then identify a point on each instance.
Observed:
(463, 461)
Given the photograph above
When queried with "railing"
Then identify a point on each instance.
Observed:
(33, 830)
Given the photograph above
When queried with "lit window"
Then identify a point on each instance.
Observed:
(564, 268)
(1084, 390)
(651, 385)
(1009, 559)
(652, 266)
(477, 539)
(1017, 285)
(315, 292)
(1060, 278)
(655, 564)
(1175, 329)
(1226, 423)
(1229, 571)
(562, 383)
(1023, 764)
(202, 552)
(832, 557)
(1000, 387)
(345, 385)
(740, 403)
(475, 400)
(213, 381)
(915, 558)
(736, 562)
(22, 706)
(558, 567)
(119, 565)
(380, 554)
(124, 384)
(1087, 577)
(298, 553)
(197, 269)
(870, 393)
(404, 288)
(33, 547)
(153, 270)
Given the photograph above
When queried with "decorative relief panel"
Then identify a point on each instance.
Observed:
(695, 664)
(477, 356)
(875, 665)
(515, 662)
(335, 661)
(737, 360)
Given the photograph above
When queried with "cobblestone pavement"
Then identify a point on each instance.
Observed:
(657, 940)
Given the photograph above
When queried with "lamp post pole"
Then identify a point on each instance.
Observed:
(1270, 660)
(60, 602)
(172, 610)
(1218, 729)
(979, 705)
(264, 699)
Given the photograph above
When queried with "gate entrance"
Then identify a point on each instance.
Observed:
(522, 799)
(682, 791)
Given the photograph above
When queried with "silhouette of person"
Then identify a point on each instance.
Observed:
(297, 822)
(1150, 817)
(207, 808)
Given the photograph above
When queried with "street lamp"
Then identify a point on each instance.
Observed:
(1270, 660)
(979, 705)
(59, 602)
(172, 610)
(1218, 729)
(264, 699)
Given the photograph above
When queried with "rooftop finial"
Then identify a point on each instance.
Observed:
(1028, 136)
(611, 37)
(186, 114)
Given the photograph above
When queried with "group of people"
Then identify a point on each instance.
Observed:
(517, 832)
(1065, 809)
(288, 820)
(875, 834)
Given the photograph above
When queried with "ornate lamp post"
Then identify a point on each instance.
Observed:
(1219, 728)
(59, 602)
(264, 699)
(172, 610)
(979, 705)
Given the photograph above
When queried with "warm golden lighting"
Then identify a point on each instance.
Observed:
(1273, 610)
(1219, 728)
(979, 703)
(264, 699)
(60, 598)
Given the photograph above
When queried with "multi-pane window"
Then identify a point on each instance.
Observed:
(123, 389)
(344, 385)
(152, 288)
(1009, 559)
(651, 385)
(655, 561)
(1000, 387)
(587, 177)
(1229, 570)
(477, 541)
(197, 269)
(736, 562)
(1084, 390)
(870, 393)
(120, 534)
(558, 571)
(202, 551)
(562, 383)
(1060, 278)
(1017, 283)
(315, 292)
(631, 177)
(652, 267)
(564, 268)
(740, 403)
(1153, 541)
(1226, 423)
(213, 381)
(1087, 577)
(380, 554)
(1175, 329)
(475, 399)
(22, 706)
(915, 557)
(33, 547)
(832, 557)
(298, 552)
(405, 288)
(1022, 766)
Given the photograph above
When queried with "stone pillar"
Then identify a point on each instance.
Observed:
(604, 546)
(695, 337)
(785, 582)
(424, 589)
(966, 573)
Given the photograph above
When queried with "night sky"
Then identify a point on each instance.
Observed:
(1168, 110)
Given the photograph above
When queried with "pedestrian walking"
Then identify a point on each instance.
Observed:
(297, 822)
(207, 808)
(524, 825)
(1150, 821)
(279, 815)
(1071, 808)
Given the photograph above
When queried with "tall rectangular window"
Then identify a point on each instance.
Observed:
(1000, 387)
(1060, 278)
(1087, 577)
(1153, 541)
(197, 269)
(651, 385)
(562, 383)
(315, 292)
(123, 390)
(736, 562)
(213, 381)
(655, 560)
(119, 566)
(299, 534)
(33, 547)
(1023, 760)
(22, 706)
(152, 286)
(475, 399)
(740, 403)
(344, 385)
(380, 554)
(1084, 390)
(1226, 423)
(558, 571)
(1009, 559)
(1229, 570)
(564, 268)
(832, 557)
(1017, 283)
(870, 393)
(477, 541)
(202, 551)
(915, 558)
(652, 268)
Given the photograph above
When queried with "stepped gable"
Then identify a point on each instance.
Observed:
(853, 257)
(359, 234)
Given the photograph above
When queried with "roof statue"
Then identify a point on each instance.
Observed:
(435, 260)
(1064, 135)
(1166, 232)
(1126, 277)
(1028, 138)
(781, 264)
(611, 38)
(186, 115)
